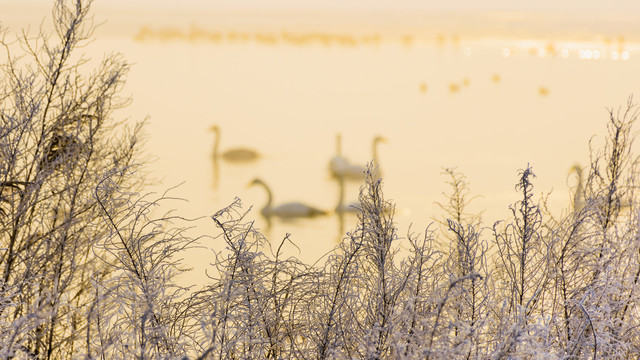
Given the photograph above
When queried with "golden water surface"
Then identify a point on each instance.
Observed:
(486, 93)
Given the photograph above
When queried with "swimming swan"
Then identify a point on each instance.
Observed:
(287, 210)
(233, 155)
(356, 172)
(579, 200)
(338, 162)
(374, 155)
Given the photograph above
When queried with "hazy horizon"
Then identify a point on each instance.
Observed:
(580, 23)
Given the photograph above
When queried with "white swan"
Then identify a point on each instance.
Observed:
(374, 154)
(233, 155)
(338, 162)
(287, 210)
(356, 172)
(579, 200)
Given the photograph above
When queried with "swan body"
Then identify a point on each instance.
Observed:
(340, 166)
(232, 155)
(286, 210)
(292, 209)
(350, 171)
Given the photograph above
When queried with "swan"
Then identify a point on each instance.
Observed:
(234, 155)
(339, 166)
(579, 200)
(351, 171)
(374, 150)
(354, 171)
(338, 161)
(287, 210)
(376, 164)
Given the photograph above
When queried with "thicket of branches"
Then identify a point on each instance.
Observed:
(87, 268)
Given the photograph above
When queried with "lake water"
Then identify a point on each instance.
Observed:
(486, 104)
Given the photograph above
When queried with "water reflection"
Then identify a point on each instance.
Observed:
(342, 210)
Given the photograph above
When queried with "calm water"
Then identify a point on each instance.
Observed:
(289, 102)
(486, 105)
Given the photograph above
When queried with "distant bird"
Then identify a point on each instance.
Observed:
(287, 210)
(340, 166)
(232, 155)
(338, 162)
(543, 91)
(374, 155)
(354, 171)
(350, 171)
(579, 200)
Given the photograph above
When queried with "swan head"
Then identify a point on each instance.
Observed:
(255, 181)
(214, 128)
(381, 139)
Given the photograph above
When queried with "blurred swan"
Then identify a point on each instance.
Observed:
(374, 151)
(338, 162)
(287, 210)
(374, 147)
(351, 171)
(356, 172)
(233, 155)
(579, 200)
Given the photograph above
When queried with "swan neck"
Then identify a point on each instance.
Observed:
(269, 195)
(580, 185)
(216, 142)
(339, 145)
(578, 171)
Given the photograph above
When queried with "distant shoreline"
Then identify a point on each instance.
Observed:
(507, 25)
